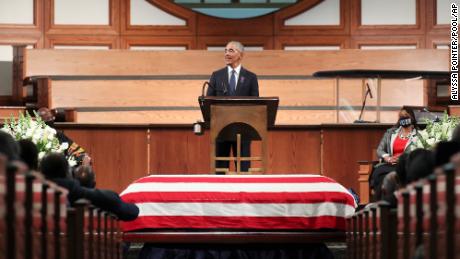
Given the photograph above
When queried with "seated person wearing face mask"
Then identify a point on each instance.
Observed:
(397, 140)
(74, 149)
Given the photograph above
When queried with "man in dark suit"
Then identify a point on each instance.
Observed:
(233, 80)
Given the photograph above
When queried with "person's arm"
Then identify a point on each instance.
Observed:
(212, 85)
(255, 86)
(110, 201)
(383, 149)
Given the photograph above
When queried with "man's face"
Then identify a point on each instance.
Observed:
(232, 55)
(46, 115)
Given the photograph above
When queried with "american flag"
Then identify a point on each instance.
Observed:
(243, 202)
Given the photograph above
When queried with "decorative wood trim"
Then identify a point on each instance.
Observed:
(20, 37)
(19, 92)
(433, 40)
(265, 42)
(431, 18)
(358, 29)
(52, 40)
(167, 6)
(187, 41)
(6, 100)
(283, 41)
(302, 6)
(17, 34)
(37, 20)
(358, 41)
(429, 93)
(111, 29)
(44, 92)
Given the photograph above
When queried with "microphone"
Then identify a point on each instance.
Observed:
(369, 90)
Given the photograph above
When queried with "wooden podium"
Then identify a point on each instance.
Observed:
(235, 118)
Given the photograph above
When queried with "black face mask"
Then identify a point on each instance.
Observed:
(405, 122)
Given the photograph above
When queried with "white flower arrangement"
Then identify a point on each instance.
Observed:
(437, 131)
(35, 130)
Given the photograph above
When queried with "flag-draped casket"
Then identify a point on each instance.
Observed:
(238, 202)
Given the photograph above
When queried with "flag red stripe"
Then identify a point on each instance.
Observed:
(220, 222)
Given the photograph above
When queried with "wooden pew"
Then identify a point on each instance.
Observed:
(36, 222)
(90, 236)
(426, 221)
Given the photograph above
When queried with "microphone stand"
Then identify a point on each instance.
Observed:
(359, 120)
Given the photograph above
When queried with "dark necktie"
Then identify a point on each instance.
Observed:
(233, 83)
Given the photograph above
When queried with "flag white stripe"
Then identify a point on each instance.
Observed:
(245, 209)
(234, 187)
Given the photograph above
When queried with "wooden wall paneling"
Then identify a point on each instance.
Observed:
(298, 93)
(160, 92)
(184, 115)
(126, 93)
(18, 74)
(179, 151)
(168, 6)
(44, 92)
(82, 40)
(342, 148)
(302, 6)
(16, 34)
(6, 112)
(431, 18)
(174, 115)
(6, 100)
(122, 154)
(119, 155)
(396, 40)
(434, 39)
(293, 116)
(189, 42)
(248, 41)
(394, 93)
(283, 41)
(295, 63)
(99, 30)
(358, 29)
(294, 151)
(212, 26)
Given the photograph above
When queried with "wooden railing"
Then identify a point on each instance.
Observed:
(426, 222)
